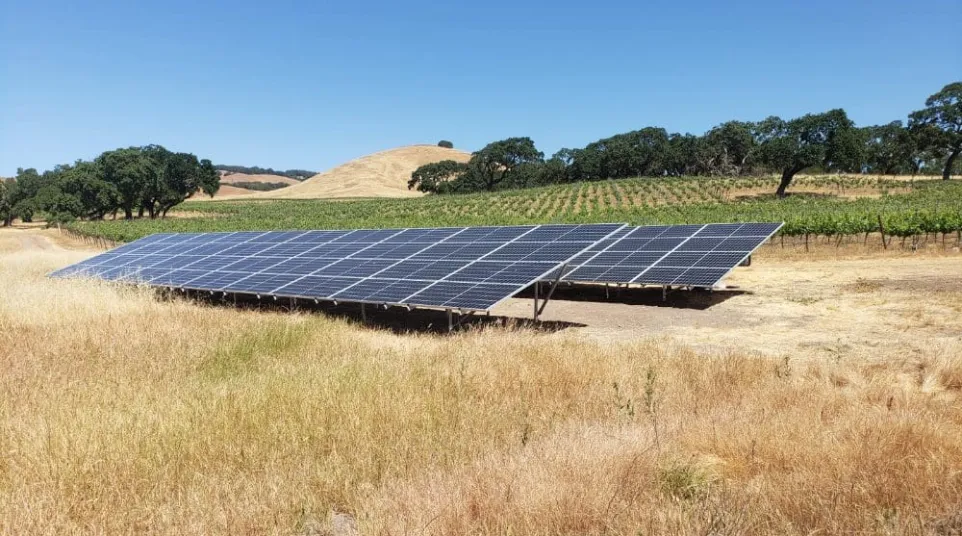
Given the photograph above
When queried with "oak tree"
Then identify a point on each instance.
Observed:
(890, 149)
(499, 162)
(824, 139)
(434, 177)
(939, 125)
(130, 171)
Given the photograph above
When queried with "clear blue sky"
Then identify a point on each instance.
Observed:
(312, 84)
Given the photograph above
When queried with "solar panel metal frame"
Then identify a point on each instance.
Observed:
(184, 244)
(638, 279)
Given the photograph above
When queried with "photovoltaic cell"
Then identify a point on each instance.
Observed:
(458, 268)
(683, 255)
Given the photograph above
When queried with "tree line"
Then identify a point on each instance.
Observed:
(296, 174)
(137, 180)
(259, 186)
(929, 142)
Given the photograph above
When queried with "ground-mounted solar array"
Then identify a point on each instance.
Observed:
(464, 268)
(678, 255)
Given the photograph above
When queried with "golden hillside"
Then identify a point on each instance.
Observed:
(229, 191)
(381, 174)
(231, 178)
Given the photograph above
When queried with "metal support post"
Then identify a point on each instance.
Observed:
(450, 321)
(544, 301)
(364, 313)
(537, 289)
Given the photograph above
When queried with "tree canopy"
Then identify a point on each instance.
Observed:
(446, 144)
(147, 179)
(435, 177)
(296, 174)
(503, 163)
(7, 187)
(726, 149)
(508, 163)
(827, 142)
(939, 125)
(891, 149)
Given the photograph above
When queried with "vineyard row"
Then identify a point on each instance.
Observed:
(921, 208)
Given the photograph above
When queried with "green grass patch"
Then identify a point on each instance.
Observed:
(239, 356)
(686, 481)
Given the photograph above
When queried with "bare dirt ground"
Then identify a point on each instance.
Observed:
(825, 308)
(827, 303)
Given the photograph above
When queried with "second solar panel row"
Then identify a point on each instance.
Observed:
(686, 255)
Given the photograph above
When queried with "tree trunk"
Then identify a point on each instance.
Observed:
(128, 213)
(786, 180)
(947, 172)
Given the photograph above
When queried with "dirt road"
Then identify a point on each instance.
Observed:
(33, 240)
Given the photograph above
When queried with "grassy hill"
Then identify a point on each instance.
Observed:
(381, 174)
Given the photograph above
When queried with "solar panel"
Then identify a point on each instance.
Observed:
(470, 268)
(681, 255)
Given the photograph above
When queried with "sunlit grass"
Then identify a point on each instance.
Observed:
(124, 413)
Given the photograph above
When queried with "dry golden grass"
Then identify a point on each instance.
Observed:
(122, 413)
(821, 248)
(380, 174)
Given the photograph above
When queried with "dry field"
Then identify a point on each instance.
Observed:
(122, 412)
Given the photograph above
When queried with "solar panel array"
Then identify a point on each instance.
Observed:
(471, 268)
(682, 255)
